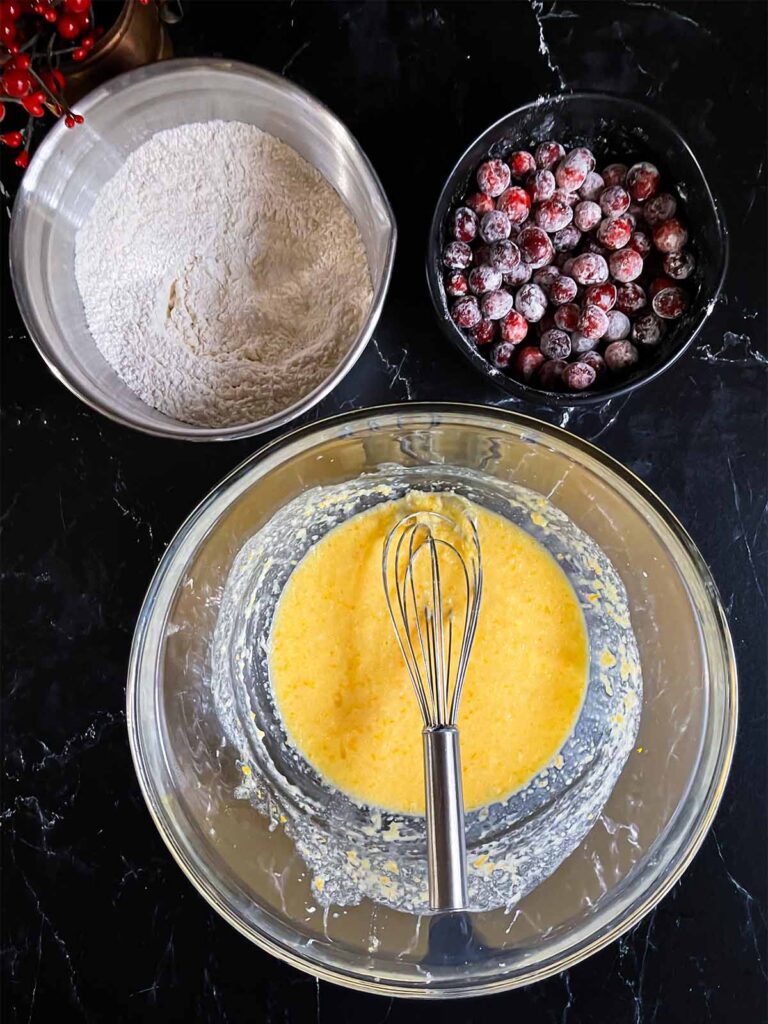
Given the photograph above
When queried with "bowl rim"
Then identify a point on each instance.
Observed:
(510, 386)
(177, 429)
(629, 917)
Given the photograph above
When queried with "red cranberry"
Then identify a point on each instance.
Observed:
(630, 298)
(569, 198)
(660, 208)
(535, 247)
(563, 289)
(516, 203)
(567, 316)
(642, 181)
(670, 236)
(587, 215)
(456, 284)
(615, 174)
(457, 256)
(578, 376)
(566, 239)
(670, 303)
(593, 322)
(601, 295)
(647, 330)
(620, 356)
(555, 344)
(580, 343)
(518, 275)
(513, 327)
(596, 361)
(614, 201)
(545, 277)
(493, 177)
(679, 265)
(573, 169)
(589, 268)
(494, 226)
(531, 302)
(548, 154)
(592, 187)
(527, 361)
(521, 164)
(540, 186)
(484, 279)
(496, 304)
(484, 332)
(550, 375)
(501, 354)
(640, 242)
(625, 265)
(464, 224)
(466, 312)
(480, 203)
(504, 256)
(658, 284)
(553, 215)
(618, 326)
(614, 232)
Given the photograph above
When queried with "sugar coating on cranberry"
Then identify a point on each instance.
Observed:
(553, 215)
(618, 326)
(562, 290)
(494, 226)
(567, 316)
(640, 242)
(625, 265)
(587, 215)
(660, 208)
(572, 171)
(596, 361)
(555, 344)
(484, 332)
(569, 198)
(620, 356)
(504, 255)
(614, 232)
(601, 295)
(647, 330)
(548, 154)
(521, 163)
(679, 265)
(670, 236)
(502, 354)
(513, 327)
(580, 343)
(484, 279)
(545, 277)
(464, 224)
(642, 181)
(520, 274)
(578, 376)
(540, 186)
(493, 177)
(566, 239)
(456, 284)
(466, 312)
(479, 203)
(670, 303)
(550, 374)
(527, 361)
(496, 304)
(535, 247)
(593, 322)
(457, 255)
(592, 187)
(614, 201)
(589, 268)
(630, 298)
(615, 174)
(531, 302)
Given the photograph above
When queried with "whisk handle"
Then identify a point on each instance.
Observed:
(446, 845)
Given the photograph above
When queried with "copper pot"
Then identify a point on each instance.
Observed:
(136, 38)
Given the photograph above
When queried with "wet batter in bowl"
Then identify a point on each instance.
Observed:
(343, 692)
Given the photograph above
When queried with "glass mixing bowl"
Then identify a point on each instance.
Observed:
(641, 842)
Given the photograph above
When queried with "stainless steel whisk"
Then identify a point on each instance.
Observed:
(428, 633)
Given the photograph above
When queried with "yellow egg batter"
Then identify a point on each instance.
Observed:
(343, 692)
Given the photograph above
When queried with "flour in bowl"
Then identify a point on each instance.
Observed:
(222, 277)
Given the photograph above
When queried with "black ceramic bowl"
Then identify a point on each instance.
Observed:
(616, 130)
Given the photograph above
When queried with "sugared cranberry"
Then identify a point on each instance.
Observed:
(670, 236)
(592, 187)
(642, 181)
(569, 198)
(531, 302)
(527, 361)
(587, 215)
(659, 284)
(504, 256)
(614, 232)
(593, 322)
(615, 174)
(502, 354)
(494, 226)
(679, 265)
(484, 279)
(521, 164)
(670, 303)
(520, 274)
(550, 375)
(573, 169)
(563, 289)
(647, 330)
(601, 295)
(596, 361)
(548, 154)
(620, 356)
(480, 203)
(614, 201)
(496, 304)
(545, 277)
(578, 376)
(514, 327)
(464, 224)
(456, 284)
(466, 312)
(567, 316)
(516, 203)
(540, 186)
(618, 326)
(457, 256)
(630, 298)
(535, 247)
(580, 343)
(555, 344)
(493, 177)
(625, 265)
(589, 268)
(566, 239)
(640, 242)
(553, 215)
(483, 333)
(659, 209)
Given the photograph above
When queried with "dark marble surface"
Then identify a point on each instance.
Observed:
(99, 924)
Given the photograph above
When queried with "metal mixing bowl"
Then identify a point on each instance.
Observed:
(248, 867)
(72, 165)
(616, 129)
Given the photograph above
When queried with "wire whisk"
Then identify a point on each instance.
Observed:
(435, 636)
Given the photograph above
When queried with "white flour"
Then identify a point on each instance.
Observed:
(222, 276)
